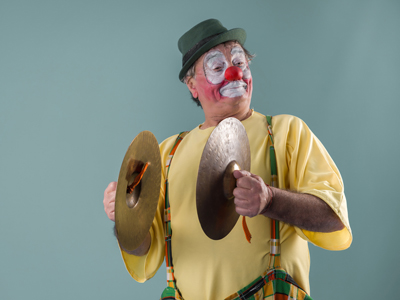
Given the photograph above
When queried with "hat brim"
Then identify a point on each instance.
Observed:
(237, 34)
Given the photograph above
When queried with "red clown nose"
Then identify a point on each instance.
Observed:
(233, 73)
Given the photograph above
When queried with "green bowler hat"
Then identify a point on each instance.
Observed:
(202, 37)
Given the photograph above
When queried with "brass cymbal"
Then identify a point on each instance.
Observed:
(226, 149)
(135, 210)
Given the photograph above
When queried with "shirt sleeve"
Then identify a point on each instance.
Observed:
(305, 166)
(142, 268)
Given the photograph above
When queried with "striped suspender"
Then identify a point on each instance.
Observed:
(167, 217)
(275, 246)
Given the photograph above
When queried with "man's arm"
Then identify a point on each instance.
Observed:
(302, 210)
(305, 211)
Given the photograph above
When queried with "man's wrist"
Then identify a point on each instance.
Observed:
(270, 197)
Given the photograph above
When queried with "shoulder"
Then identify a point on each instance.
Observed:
(280, 120)
(289, 125)
(286, 120)
(291, 132)
(283, 126)
(167, 144)
(169, 140)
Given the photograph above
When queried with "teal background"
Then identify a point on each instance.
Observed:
(80, 79)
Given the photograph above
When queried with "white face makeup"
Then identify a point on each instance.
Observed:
(234, 89)
(215, 64)
(239, 60)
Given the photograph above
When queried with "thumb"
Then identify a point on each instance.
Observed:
(241, 173)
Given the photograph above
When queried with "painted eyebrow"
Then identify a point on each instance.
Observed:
(213, 54)
(237, 49)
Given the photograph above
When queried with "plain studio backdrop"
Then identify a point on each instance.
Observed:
(80, 79)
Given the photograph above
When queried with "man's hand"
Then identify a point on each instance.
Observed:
(109, 200)
(251, 194)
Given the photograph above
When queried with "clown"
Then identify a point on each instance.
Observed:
(309, 201)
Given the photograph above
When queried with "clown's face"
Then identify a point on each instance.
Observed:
(216, 64)
(222, 79)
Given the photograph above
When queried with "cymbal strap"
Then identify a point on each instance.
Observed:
(246, 230)
(138, 178)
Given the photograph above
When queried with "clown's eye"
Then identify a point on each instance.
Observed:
(218, 68)
(239, 63)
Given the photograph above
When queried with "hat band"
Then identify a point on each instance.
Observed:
(196, 47)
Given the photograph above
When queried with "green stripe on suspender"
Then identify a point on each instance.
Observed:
(269, 120)
(277, 237)
(271, 148)
(166, 205)
(273, 160)
(274, 171)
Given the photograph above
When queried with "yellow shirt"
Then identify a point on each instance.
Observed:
(208, 269)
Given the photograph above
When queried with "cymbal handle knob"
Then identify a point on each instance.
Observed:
(229, 179)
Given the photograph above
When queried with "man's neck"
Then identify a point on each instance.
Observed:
(215, 120)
